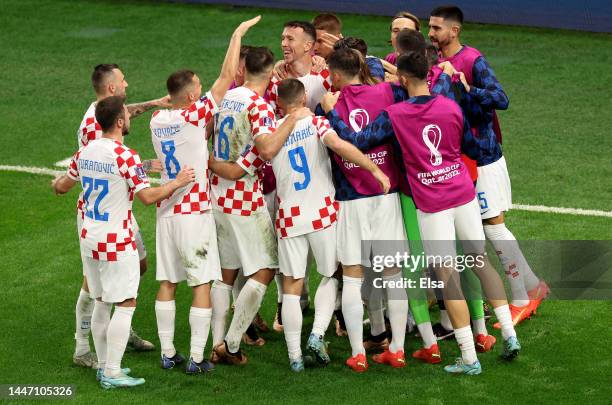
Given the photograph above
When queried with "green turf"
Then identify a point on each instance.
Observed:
(556, 136)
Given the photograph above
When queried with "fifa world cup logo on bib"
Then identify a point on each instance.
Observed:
(429, 132)
(359, 118)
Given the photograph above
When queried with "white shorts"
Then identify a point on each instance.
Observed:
(246, 242)
(140, 247)
(113, 281)
(369, 219)
(494, 190)
(438, 230)
(293, 253)
(187, 249)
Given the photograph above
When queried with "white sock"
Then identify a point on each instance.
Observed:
(292, 325)
(165, 312)
(84, 309)
(279, 288)
(426, 332)
(465, 340)
(445, 320)
(99, 325)
(376, 311)
(325, 301)
(220, 297)
(199, 321)
(397, 309)
(352, 309)
(480, 327)
(245, 308)
(117, 337)
(505, 320)
(512, 259)
(238, 284)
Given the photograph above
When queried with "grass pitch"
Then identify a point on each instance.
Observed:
(556, 142)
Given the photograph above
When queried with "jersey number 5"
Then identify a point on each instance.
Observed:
(168, 149)
(301, 167)
(90, 184)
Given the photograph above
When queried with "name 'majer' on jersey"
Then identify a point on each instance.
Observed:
(304, 184)
(179, 140)
(110, 174)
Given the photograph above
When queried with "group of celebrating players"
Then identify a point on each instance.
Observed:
(310, 158)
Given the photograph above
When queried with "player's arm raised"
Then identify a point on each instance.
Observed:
(270, 142)
(349, 152)
(152, 195)
(232, 58)
(138, 108)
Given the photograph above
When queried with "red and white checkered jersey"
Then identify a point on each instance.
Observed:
(304, 184)
(88, 131)
(316, 85)
(179, 140)
(110, 174)
(89, 128)
(243, 116)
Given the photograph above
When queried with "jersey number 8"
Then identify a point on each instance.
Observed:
(168, 149)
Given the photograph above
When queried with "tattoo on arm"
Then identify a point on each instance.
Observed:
(139, 108)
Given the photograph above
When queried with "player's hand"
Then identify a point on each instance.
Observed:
(464, 81)
(382, 180)
(245, 25)
(185, 176)
(447, 68)
(164, 102)
(53, 184)
(280, 70)
(301, 113)
(152, 166)
(389, 67)
(318, 64)
(329, 101)
(390, 78)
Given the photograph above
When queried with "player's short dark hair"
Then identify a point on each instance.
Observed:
(408, 15)
(353, 43)
(290, 90)
(413, 64)
(258, 60)
(351, 63)
(431, 52)
(109, 110)
(410, 41)
(328, 22)
(451, 13)
(179, 80)
(101, 74)
(308, 28)
(244, 50)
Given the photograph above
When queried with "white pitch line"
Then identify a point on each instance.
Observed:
(520, 207)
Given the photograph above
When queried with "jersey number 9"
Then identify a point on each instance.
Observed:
(301, 167)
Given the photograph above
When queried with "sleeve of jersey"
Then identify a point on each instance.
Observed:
(201, 112)
(90, 131)
(323, 126)
(271, 95)
(399, 93)
(470, 144)
(376, 133)
(443, 87)
(486, 88)
(326, 77)
(262, 118)
(377, 69)
(130, 167)
(250, 161)
(73, 168)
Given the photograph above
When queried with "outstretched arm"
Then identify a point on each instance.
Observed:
(150, 195)
(232, 58)
(376, 133)
(270, 143)
(139, 108)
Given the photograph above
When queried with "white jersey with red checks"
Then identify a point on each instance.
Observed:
(88, 131)
(179, 140)
(110, 174)
(316, 85)
(243, 116)
(304, 186)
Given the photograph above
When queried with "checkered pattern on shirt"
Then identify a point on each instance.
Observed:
(108, 250)
(241, 199)
(322, 125)
(90, 130)
(284, 219)
(197, 200)
(328, 214)
(261, 117)
(250, 160)
(201, 112)
(130, 168)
